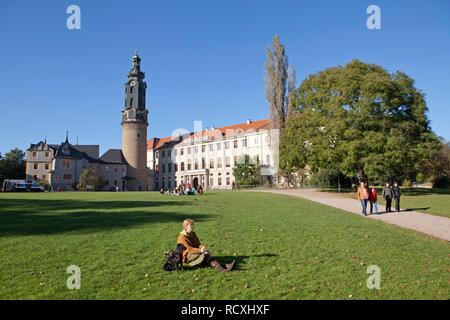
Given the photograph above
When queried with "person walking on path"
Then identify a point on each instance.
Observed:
(363, 196)
(373, 199)
(397, 193)
(387, 195)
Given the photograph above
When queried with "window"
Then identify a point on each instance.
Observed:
(228, 181)
(189, 164)
(163, 168)
(34, 153)
(203, 163)
(163, 154)
(196, 150)
(211, 147)
(35, 166)
(244, 142)
(175, 167)
(235, 160)
(107, 168)
(107, 182)
(131, 89)
(169, 167)
(235, 144)
(131, 102)
(47, 166)
(211, 163)
(46, 154)
(196, 164)
(203, 148)
(65, 163)
(182, 166)
(67, 176)
(227, 162)
(219, 181)
(211, 181)
(170, 185)
(169, 153)
(227, 145)
(268, 159)
(115, 182)
(219, 146)
(181, 151)
(189, 150)
(219, 163)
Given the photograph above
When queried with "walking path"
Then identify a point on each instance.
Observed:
(435, 226)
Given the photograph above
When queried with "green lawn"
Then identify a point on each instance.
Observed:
(432, 201)
(285, 247)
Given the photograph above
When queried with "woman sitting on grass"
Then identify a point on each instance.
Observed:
(196, 253)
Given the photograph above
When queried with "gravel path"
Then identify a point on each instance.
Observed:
(435, 226)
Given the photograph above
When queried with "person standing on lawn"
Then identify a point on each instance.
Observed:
(373, 199)
(387, 195)
(397, 193)
(363, 196)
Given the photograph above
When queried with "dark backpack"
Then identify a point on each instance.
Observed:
(174, 258)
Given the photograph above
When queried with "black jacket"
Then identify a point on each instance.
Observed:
(397, 192)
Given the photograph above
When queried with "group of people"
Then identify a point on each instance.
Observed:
(183, 189)
(369, 195)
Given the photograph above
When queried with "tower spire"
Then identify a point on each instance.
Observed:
(67, 136)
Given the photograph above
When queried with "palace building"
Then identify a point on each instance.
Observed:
(206, 157)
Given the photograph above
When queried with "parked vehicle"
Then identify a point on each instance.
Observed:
(12, 185)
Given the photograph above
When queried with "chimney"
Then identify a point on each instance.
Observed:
(249, 121)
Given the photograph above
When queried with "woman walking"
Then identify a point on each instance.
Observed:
(373, 199)
(363, 195)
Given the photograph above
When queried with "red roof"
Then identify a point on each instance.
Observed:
(236, 129)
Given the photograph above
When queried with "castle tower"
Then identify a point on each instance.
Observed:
(134, 128)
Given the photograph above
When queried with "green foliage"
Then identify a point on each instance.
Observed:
(89, 180)
(246, 175)
(12, 165)
(329, 178)
(360, 119)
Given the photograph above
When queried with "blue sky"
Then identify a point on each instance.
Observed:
(204, 60)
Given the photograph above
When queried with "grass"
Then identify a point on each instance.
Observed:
(431, 201)
(285, 247)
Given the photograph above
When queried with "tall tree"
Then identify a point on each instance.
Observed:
(292, 80)
(275, 83)
(361, 120)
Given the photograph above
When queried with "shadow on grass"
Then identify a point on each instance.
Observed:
(240, 260)
(46, 217)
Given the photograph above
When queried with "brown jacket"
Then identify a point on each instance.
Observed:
(191, 242)
(363, 193)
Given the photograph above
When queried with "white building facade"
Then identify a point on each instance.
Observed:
(207, 157)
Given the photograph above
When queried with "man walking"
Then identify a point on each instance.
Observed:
(397, 194)
(387, 195)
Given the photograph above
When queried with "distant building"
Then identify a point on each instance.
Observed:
(60, 166)
(207, 158)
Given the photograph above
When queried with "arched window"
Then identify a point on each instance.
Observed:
(131, 102)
